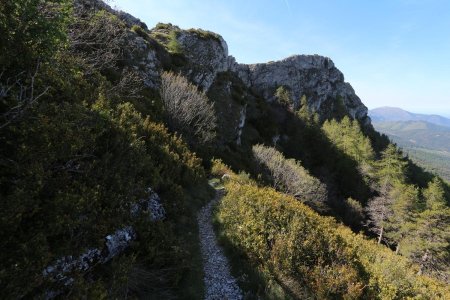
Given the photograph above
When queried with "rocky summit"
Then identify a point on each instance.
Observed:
(314, 76)
(203, 55)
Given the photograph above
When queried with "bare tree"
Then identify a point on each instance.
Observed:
(22, 92)
(290, 177)
(188, 110)
(379, 212)
(130, 85)
(103, 43)
(96, 36)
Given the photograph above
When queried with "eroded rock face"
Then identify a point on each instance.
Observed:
(311, 75)
(144, 61)
(207, 54)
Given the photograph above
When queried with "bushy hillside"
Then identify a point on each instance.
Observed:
(313, 256)
(78, 152)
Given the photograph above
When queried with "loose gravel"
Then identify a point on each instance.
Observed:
(219, 283)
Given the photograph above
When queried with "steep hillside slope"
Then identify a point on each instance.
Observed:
(109, 131)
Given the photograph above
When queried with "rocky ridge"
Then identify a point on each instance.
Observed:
(312, 75)
(205, 56)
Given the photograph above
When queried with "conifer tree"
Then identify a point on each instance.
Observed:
(405, 200)
(390, 170)
(283, 97)
(429, 244)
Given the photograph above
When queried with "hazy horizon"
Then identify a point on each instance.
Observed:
(425, 112)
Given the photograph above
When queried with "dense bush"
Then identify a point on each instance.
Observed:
(295, 244)
(173, 45)
(288, 176)
(75, 159)
(72, 176)
(188, 111)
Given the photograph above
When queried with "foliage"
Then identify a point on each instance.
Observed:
(288, 176)
(31, 33)
(188, 111)
(139, 31)
(218, 168)
(205, 34)
(294, 243)
(163, 26)
(283, 97)
(99, 38)
(305, 113)
(173, 45)
(348, 137)
(428, 240)
(79, 157)
(35, 28)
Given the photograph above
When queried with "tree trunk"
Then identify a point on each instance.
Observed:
(380, 236)
(422, 265)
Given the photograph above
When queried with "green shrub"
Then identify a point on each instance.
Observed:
(205, 34)
(173, 45)
(163, 26)
(297, 245)
(139, 31)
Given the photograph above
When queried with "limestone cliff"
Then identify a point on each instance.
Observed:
(314, 76)
(311, 75)
(202, 55)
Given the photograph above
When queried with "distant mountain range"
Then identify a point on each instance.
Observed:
(425, 138)
(416, 134)
(386, 113)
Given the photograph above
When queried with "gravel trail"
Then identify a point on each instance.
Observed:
(219, 283)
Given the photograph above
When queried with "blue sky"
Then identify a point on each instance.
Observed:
(393, 52)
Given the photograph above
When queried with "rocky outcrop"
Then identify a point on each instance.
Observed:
(206, 54)
(314, 76)
(115, 244)
(151, 206)
(311, 75)
(128, 19)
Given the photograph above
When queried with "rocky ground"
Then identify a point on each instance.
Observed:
(219, 283)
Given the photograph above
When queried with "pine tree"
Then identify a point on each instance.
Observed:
(391, 168)
(429, 245)
(283, 97)
(390, 171)
(405, 200)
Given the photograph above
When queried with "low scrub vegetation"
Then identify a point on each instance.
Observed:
(312, 254)
(288, 176)
(188, 111)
